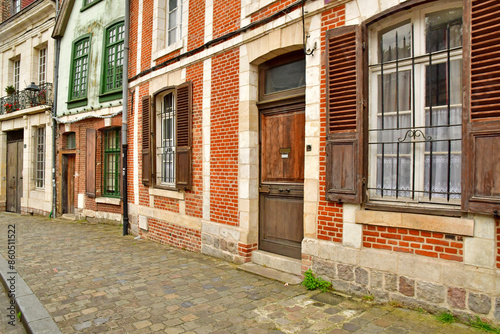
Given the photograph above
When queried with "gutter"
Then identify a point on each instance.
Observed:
(124, 117)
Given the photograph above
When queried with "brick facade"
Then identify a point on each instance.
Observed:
(330, 216)
(80, 128)
(174, 235)
(227, 17)
(196, 27)
(224, 139)
(271, 9)
(431, 244)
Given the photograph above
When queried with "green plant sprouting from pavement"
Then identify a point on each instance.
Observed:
(478, 323)
(446, 317)
(311, 282)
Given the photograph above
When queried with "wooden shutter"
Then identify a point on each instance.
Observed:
(146, 140)
(183, 121)
(481, 147)
(344, 95)
(90, 163)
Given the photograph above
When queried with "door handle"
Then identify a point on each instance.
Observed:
(282, 190)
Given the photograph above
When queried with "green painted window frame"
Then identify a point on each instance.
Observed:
(111, 161)
(87, 4)
(81, 99)
(112, 62)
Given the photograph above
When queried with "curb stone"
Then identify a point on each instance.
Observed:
(34, 316)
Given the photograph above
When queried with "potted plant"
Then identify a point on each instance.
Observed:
(10, 90)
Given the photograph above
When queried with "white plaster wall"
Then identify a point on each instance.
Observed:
(90, 21)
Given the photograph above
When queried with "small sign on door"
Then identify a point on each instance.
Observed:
(284, 152)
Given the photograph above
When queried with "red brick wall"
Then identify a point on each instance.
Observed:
(227, 17)
(194, 198)
(133, 38)
(26, 3)
(245, 251)
(166, 233)
(329, 214)
(224, 138)
(431, 244)
(196, 27)
(167, 204)
(168, 57)
(271, 9)
(147, 34)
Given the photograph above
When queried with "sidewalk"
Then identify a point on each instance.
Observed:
(91, 279)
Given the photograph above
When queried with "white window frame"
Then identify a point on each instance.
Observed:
(40, 148)
(17, 73)
(164, 144)
(42, 66)
(160, 29)
(16, 6)
(417, 17)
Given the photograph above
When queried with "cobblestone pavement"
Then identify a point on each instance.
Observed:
(91, 279)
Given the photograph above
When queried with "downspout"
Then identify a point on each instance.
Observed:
(124, 117)
(54, 115)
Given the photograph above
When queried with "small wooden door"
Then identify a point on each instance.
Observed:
(68, 183)
(282, 180)
(14, 171)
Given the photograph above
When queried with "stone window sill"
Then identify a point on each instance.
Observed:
(108, 200)
(169, 49)
(166, 193)
(448, 225)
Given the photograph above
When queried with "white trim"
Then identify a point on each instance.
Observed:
(209, 20)
(206, 104)
(166, 193)
(108, 200)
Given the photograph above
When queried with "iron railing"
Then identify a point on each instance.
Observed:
(25, 99)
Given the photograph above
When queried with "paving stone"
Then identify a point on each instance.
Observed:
(115, 284)
(350, 327)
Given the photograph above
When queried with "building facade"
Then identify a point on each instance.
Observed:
(352, 138)
(26, 86)
(89, 106)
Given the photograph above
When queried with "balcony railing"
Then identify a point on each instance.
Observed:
(25, 99)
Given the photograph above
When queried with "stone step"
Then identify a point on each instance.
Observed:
(270, 273)
(68, 216)
(278, 262)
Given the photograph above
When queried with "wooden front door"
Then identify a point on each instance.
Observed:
(68, 183)
(14, 171)
(282, 179)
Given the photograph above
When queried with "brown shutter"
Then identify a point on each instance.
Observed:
(146, 140)
(344, 90)
(481, 127)
(183, 121)
(90, 163)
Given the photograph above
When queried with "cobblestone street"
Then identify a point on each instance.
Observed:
(91, 279)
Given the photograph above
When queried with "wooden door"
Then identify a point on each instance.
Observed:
(282, 180)
(14, 171)
(68, 183)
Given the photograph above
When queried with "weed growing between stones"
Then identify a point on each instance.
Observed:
(311, 282)
(446, 317)
(368, 298)
(478, 323)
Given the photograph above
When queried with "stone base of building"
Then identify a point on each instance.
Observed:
(33, 211)
(410, 280)
(99, 216)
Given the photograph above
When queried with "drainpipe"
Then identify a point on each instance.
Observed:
(54, 114)
(124, 117)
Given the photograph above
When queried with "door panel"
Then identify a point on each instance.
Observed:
(68, 188)
(12, 178)
(282, 176)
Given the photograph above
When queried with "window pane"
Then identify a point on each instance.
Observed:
(395, 42)
(165, 154)
(287, 76)
(396, 92)
(437, 25)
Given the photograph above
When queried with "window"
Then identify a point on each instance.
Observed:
(165, 141)
(71, 141)
(166, 138)
(113, 58)
(40, 157)
(173, 21)
(415, 119)
(78, 83)
(17, 70)
(111, 156)
(16, 6)
(42, 55)
(88, 3)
